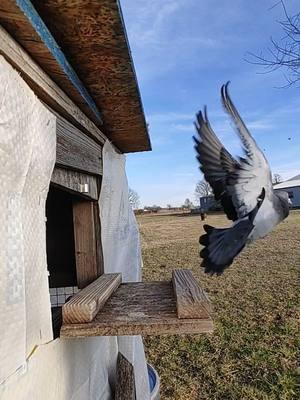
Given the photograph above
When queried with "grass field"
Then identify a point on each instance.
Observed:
(254, 352)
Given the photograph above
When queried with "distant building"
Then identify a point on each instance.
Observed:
(292, 187)
(208, 203)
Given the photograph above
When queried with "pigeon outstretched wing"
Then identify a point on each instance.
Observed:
(238, 184)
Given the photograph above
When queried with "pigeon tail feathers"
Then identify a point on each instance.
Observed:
(221, 246)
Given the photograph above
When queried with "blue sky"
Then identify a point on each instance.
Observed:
(183, 51)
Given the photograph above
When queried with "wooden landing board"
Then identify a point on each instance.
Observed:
(85, 304)
(139, 309)
(191, 299)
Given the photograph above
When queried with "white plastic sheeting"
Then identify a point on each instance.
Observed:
(27, 156)
(31, 368)
(121, 250)
(77, 369)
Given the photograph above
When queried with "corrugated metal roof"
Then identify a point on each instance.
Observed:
(287, 184)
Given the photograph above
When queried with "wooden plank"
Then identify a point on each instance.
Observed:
(125, 383)
(41, 29)
(86, 186)
(191, 300)
(89, 264)
(103, 63)
(84, 305)
(139, 309)
(76, 150)
(44, 87)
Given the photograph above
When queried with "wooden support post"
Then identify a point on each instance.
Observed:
(191, 299)
(84, 305)
(125, 384)
(88, 249)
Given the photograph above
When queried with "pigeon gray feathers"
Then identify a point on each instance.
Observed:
(243, 186)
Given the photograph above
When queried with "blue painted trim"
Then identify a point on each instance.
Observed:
(44, 33)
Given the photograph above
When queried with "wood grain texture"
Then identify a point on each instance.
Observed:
(125, 382)
(139, 309)
(74, 181)
(103, 64)
(191, 300)
(86, 232)
(44, 87)
(84, 305)
(76, 150)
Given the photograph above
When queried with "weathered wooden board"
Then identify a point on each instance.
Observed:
(139, 309)
(125, 382)
(44, 87)
(76, 150)
(84, 185)
(191, 299)
(88, 249)
(84, 305)
(103, 64)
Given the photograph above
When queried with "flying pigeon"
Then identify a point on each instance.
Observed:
(244, 187)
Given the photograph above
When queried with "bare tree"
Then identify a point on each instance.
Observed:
(187, 204)
(202, 189)
(169, 206)
(276, 179)
(284, 53)
(134, 198)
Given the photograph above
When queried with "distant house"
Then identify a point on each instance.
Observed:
(292, 187)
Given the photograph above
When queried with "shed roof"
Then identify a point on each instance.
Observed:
(288, 184)
(93, 38)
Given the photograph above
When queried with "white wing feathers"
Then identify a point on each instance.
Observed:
(253, 175)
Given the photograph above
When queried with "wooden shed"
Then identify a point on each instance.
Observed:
(71, 296)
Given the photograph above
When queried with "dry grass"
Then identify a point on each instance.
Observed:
(254, 352)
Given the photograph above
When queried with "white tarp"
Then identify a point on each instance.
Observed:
(27, 156)
(121, 250)
(31, 368)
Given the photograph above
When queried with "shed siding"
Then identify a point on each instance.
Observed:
(295, 192)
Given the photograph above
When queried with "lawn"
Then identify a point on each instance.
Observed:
(254, 352)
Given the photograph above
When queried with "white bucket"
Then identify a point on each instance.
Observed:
(154, 383)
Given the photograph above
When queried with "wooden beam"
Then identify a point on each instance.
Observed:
(83, 185)
(42, 30)
(88, 250)
(125, 383)
(143, 308)
(191, 300)
(84, 305)
(44, 87)
(76, 150)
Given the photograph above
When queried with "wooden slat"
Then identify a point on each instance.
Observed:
(125, 383)
(89, 265)
(84, 305)
(74, 182)
(139, 309)
(191, 300)
(76, 150)
(44, 87)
